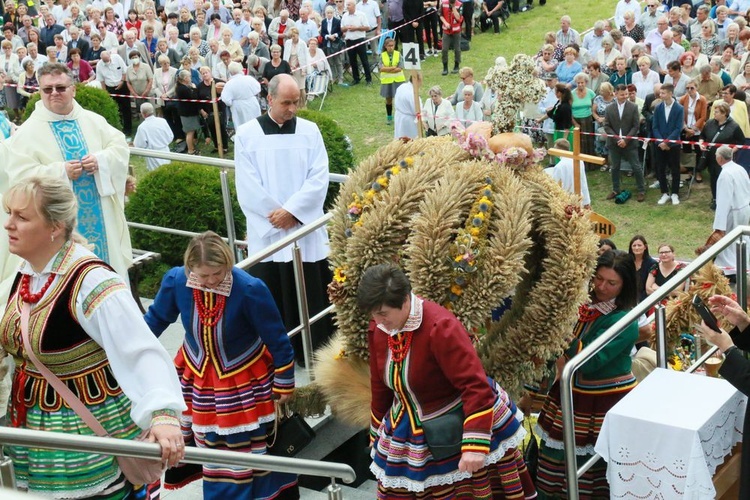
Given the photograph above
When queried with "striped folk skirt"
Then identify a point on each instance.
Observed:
(230, 412)
(591, 402)
(405, 468)
(68, 474)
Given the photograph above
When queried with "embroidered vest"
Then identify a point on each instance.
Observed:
(59, 342)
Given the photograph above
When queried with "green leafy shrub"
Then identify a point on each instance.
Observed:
(183, 196)
(338, 145)
(97, 100)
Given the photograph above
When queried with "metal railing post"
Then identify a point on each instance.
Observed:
(569, 435)
(741, 245)
(334, 491)
(661, 336)
(304, 314)
(229, 215)
(7, 472)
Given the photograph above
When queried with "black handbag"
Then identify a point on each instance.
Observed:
(444, 434)
(291, 434)
(531, 454)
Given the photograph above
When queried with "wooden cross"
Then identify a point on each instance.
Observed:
(601, 225)
(577, 157)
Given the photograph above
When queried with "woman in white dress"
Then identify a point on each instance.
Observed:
(468, 111)
(295, 53)
(437, 113)
(645, 79)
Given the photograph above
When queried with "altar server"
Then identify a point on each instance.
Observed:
(282, 181)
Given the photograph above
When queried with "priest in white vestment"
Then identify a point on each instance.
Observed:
(405, 119)
(281, 168)
(732, 205)
(241, 95)
(61, 139)
(153, 133)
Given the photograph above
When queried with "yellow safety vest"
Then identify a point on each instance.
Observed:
(386, 78)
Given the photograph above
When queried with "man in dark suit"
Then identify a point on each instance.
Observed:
(76, 42)
(50, 29)
(667, 125)
(621, 118)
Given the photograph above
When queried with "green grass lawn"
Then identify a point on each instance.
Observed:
(360, 111)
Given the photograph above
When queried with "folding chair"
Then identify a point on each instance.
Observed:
(317, 85)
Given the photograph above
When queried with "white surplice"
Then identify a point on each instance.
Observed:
(33, 151)
(563, 173)
(405, 119)
(154, 133)
(287, 171)
(241, 95)
(732, 208)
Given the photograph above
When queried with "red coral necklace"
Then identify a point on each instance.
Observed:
(399, 348)
(33, 298)
(209, 316)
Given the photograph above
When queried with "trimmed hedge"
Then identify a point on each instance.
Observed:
(96, 100)
(183, 196)
(338, 146)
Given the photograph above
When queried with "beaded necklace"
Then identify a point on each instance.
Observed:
(209, 316)
(399, 347)
(33, 298)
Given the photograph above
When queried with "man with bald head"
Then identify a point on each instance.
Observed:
(282, 181)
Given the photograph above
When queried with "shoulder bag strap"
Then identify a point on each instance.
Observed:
(54, 381)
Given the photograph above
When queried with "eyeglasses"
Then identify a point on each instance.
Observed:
(665, 252)
(56, 88)
(691, 88)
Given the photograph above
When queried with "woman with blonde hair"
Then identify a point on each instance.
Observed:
(70, 310)
(231, 46)
(229, 389)
(296, 54)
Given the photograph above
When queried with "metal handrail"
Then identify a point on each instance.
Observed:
(140, 449)
(566, 388)
(285, 241)
(208, 160)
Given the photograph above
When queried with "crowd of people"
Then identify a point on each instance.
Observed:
(673, 75)
(137, 50)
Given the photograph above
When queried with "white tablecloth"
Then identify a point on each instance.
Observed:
(666, 437)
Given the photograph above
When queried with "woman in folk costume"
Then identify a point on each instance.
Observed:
(423, 366)
(85, 327)
(235, 359)
(599, 384)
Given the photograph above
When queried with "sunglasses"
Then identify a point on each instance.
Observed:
(56, 88)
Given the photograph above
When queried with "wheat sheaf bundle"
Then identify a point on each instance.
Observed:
(681, 316)
(546, 302)
(500, 260)
(534, 247)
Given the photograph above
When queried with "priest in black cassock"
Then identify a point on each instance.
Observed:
(282, 179)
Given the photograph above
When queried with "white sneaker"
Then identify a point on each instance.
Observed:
(663, 199)
(654, 185)
(675, 199)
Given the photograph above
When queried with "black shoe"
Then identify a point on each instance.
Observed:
(455, 70)
(712, 206)
(355, 82)
(445, 71)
